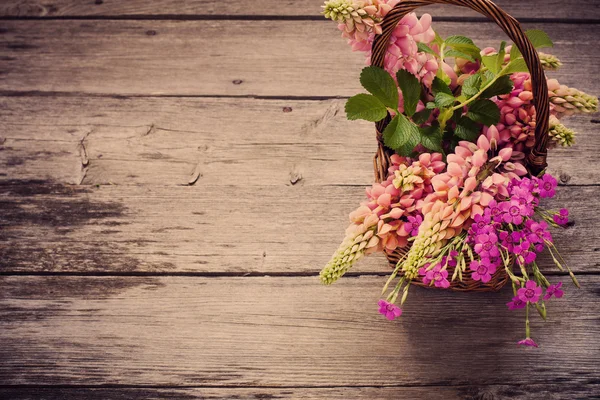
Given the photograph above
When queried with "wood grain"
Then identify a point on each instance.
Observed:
(582, 9)
(549, 391)
(170, 141)
(214, 57)
(283, 332)
(212, 229)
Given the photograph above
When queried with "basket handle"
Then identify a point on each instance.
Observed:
(536, 159)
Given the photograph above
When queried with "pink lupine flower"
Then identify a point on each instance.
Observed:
(482, 270)
(528, 342)
(438, 276)
(389, 310)
(531, 292)
(516, 303)
(562, 218)
(554, 290)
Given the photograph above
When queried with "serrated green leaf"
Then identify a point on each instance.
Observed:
(365, 106)
(431, 138)
(501, 54)
(539, 38)
(439, 86)
(443, 100)
(464, 45)
(484, 111)
(487, 77)
(445, 115)
(411, 90)
(423, 48)
(491, 63)
(380, 84)
(422, 116)
(471, 85)
(517, 65)
(400, 132)
(467, 129)
(502, 85)
(430, 105)
(459, 54)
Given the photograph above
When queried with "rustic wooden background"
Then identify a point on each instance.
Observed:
(175, 173)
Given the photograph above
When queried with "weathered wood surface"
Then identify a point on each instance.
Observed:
(241, 58)
(109, 110)
(549, 391)
(554, 9)
(269, 331)
(213, 229)
(170, 141)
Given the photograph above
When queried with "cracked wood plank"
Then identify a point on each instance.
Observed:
(284, 332)
(174, 141)
(582, 9)
(165, 57)
(213, 229)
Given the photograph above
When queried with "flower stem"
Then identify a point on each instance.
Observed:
(490, 83)
(527, 331)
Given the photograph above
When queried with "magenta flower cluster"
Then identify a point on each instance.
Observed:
(508, 226)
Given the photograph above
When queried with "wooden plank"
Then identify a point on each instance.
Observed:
(171, 141)
(214, 58)
(582, 9)
(283, 332)
(551, 391)
(213, 229)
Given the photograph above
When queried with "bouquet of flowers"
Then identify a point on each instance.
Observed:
(456, 204)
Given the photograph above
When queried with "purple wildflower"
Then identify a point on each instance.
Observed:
(439, 277)
(538, 232)
(531, 292)
(528, 342)
(389, 310)
(485, 245)
(546, 185)
(554, 290)
(516, 303)
(482, 270)
(412, 226)
(423, 273)
(493, 211)
(562, 218)
(512, 212)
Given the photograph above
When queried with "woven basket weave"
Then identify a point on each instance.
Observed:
(536, 159)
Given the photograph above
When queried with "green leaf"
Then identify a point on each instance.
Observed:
(438, 39)
(381, 85)
(517, 65)
(423, 48)
(411, 90)
(491, 63)
(365, 106)
(502, 85)
(400, 132)
(464, 45)
(467, 129)
(445, 115)
(501, 54)
(484, 111)
(539, 38)
(458, 54)
(487, 77)
(422, 116)
(515, 52)
(439, 86)
(443, 100)
(431, 137)
(472, 85)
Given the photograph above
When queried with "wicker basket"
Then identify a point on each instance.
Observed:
(536, 159)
